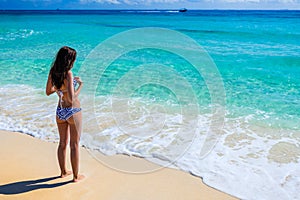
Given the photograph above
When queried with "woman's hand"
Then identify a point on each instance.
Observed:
(78, 79)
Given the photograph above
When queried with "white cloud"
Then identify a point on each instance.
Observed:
(131, 2)
(255, 1)
(241, 1)
(149, 2)
(161, 1)
(42, 1)
(100, 1)
(288, 1)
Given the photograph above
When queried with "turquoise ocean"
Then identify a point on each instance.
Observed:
(256, 54)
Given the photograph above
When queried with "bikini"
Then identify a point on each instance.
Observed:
(65, 113)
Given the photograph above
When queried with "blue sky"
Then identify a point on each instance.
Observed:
(150, 4)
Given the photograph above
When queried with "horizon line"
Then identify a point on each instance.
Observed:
(152, 9)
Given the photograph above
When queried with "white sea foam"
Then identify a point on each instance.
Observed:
(18, 34)
(249, 161)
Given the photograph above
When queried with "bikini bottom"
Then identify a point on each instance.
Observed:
(66, 113)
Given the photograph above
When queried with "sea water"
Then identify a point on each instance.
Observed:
(256, 54)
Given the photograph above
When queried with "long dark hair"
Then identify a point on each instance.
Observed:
(64, 61)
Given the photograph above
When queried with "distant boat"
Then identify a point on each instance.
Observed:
(183, 10)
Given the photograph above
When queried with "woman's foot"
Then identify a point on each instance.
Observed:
(78, 178)
(65, 174)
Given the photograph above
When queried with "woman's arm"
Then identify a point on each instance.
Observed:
(71, 93)
(80, 82)
(49, 87)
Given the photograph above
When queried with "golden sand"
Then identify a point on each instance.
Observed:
(29, 170)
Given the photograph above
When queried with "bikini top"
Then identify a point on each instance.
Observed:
(61, 92)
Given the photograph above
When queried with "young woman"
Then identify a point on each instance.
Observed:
(68, 112)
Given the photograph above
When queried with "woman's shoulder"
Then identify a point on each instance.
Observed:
(69, 75)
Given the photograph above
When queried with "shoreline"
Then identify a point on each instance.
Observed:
(38, 179)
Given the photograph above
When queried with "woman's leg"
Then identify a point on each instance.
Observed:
(63, 129)
(75, 123)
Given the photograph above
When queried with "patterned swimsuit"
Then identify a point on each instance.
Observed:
(65, 113)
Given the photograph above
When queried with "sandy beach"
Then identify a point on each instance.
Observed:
(29, 170)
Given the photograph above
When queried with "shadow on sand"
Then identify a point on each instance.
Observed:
(30, 185)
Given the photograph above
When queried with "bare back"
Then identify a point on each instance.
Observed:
(64, 95)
